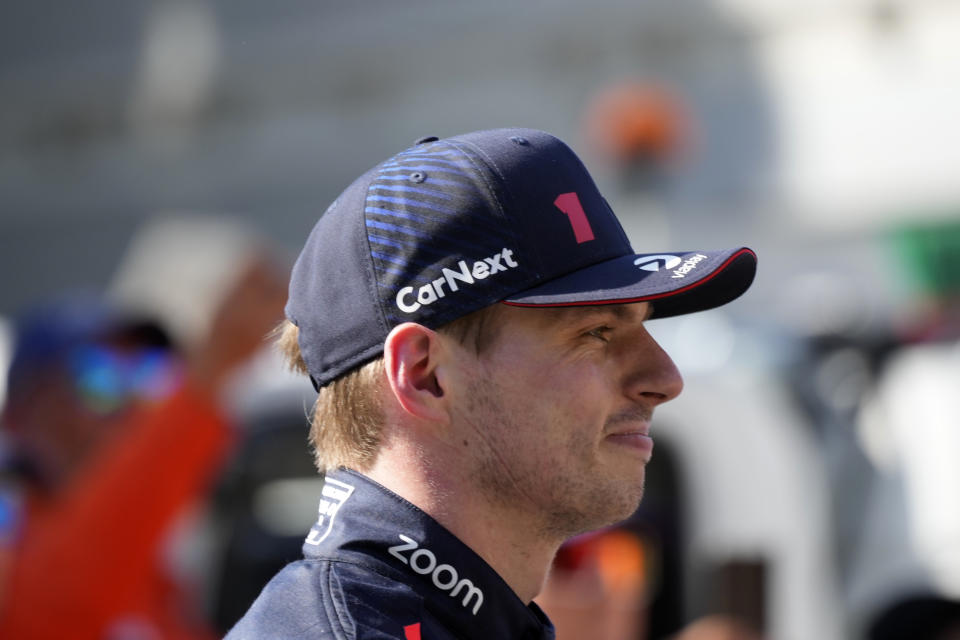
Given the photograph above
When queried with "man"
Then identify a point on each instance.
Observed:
(472, 316)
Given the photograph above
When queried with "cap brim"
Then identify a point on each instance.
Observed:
(677, 283)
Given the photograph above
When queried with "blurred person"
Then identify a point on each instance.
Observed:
(718, 627)
(642, 128)
(597, 587)
(112, 434)
(917, 617)
(473, 318)
(905, 531)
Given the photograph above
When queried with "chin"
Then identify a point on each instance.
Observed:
(631, 507)
(629, 501)
(599, 503)
(620, 507)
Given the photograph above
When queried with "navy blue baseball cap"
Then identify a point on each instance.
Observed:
(450, 226)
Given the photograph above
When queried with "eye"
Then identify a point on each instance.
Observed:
(600, 333)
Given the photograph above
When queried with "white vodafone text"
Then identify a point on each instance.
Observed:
(688, 265)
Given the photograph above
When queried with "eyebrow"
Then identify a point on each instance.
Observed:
(619, 311)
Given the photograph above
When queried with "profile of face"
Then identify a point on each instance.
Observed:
(558, 412)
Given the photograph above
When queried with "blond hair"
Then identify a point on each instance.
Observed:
(347, 420)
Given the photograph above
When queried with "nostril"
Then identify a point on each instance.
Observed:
(657, 388)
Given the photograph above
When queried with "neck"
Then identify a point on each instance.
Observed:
(512, 547)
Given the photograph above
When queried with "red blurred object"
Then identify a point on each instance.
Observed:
(598, 587)
(87, 562)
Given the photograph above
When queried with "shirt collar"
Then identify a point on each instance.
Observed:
(364, 522)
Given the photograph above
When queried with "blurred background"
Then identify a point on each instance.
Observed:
(805, 484)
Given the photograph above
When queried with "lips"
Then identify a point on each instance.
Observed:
(628, 426)
(642, 430)
(638, 440)
(630, 429)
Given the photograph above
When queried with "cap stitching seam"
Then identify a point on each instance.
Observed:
(536, 274)
(370, 275)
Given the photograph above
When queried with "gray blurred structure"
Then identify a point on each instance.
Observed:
(119, 111)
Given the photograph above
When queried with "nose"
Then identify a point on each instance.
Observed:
(652, 377)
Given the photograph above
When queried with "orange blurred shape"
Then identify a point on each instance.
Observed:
(718, 627)
(598, 587)
(621, 560)
(637, 121)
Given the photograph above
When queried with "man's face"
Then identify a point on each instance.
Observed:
(557, 413)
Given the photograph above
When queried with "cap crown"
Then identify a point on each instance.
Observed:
(440, 230)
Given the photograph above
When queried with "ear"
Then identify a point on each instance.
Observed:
(411, 355)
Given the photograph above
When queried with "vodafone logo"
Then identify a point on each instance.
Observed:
(666, 261)
(689, 265)
(657, 262)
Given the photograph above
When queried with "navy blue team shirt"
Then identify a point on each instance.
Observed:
(377, 567)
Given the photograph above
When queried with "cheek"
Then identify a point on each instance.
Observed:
(584, 387)
(569, 398)
(575, 406)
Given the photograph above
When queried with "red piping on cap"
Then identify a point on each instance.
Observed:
(654, 296)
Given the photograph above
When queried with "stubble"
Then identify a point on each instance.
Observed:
(536, 483)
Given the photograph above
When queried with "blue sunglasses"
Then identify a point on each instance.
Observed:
(108, 379)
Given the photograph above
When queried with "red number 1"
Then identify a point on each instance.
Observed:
(569, 203)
